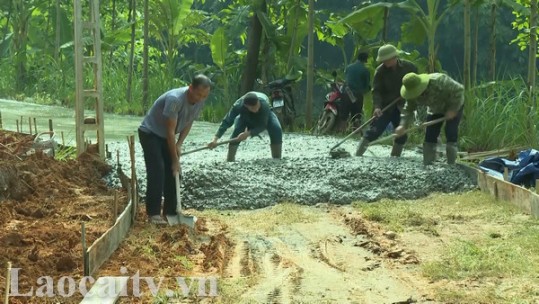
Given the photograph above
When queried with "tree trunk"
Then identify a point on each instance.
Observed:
(6, 28)
(253, 51)
(476, 46)
(132, 51)
(467, 46)
(386, 24)
(58, 30)
(145, 79)
(310, 68)
(292, 50)
(113, 26)
(492, 70)
(20, 30)
(532, 69)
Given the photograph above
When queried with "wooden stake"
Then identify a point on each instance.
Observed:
(18, 130)
(1, 120)
(537, 186)
(131, 140)
(30, 125)
(50, 130)
(63, 142)
(35, 126)
(22, 121)
(118, 158)
(84, 252)
(8, 283)
(115, 207)
(505, 174)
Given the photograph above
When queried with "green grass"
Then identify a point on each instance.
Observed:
(501, 250)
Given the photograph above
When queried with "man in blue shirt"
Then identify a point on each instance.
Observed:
(172, 113)
(251, 114)
(358, 79)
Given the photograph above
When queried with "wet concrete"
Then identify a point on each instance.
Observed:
(307, 174)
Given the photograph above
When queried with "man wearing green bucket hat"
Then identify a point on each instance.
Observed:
(443, 96)
(386, 88)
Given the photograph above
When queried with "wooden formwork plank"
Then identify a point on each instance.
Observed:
(103, 247)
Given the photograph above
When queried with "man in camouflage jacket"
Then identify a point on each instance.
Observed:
(444, 97)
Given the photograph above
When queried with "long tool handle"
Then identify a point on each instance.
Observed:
(178, 196)
(423, 125)
(205, 148)
(365, 124)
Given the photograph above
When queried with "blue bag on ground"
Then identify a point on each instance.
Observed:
(522, 171)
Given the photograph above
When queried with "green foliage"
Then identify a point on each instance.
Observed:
(521, 12)
(497, 115)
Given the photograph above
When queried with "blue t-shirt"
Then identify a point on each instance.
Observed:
(172, 104)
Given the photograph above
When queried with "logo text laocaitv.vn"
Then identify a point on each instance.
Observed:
(67, 286)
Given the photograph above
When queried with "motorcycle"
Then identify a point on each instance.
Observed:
(332, 106)
(282, 100)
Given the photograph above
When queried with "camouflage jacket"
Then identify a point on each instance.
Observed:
(441, 95)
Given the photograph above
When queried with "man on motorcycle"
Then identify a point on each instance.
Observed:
(251, 115)
(386, 88)
(357, 83)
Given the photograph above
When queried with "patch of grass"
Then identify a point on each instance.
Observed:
(469, 259)
(489, 295)
(429, 211)
(185, 261)
(266, 220)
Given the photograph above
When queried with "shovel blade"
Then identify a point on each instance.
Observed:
(181, 219)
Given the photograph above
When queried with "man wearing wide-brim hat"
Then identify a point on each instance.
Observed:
(444, 97)
(386, 88)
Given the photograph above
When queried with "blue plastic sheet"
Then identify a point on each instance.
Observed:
(523, 171)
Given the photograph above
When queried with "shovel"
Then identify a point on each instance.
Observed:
(423, 125)
(364, 125)
(206, 147)
(188, 220)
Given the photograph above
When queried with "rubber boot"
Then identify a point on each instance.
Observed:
(429, 153)
(451, 150)
(397, 149)
(276, 150)
(362, 146)
(231, 156)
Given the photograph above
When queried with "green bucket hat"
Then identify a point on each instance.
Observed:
(386, 52)
(413, 85)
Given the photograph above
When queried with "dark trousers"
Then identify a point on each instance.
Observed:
(354, 110)
(159, 178)
(379, 125)
(451, 128)
(275, 131)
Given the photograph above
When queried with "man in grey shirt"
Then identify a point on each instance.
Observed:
(172, 113)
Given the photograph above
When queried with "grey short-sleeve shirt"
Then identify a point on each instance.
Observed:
(172, 104)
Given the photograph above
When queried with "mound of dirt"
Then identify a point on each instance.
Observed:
(42, 204)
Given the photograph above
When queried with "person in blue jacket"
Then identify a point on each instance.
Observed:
(251, 115)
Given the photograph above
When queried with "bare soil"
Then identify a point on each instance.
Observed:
(43, 202)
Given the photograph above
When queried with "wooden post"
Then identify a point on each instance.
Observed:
(18, 130)
(537, 186)
(86, 266)
(22, 121)
(505, 174)
(118, 158)
(8, 283)
(115, 207)
(63, 142)
(134, 190)
(50, 127)
(30, 125)
(35, 126)
(1, 120)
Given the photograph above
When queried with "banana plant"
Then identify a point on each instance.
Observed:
(368, 21)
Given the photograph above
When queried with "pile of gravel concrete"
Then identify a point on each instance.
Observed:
(306, 175)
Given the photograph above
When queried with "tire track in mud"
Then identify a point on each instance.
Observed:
(317, 262)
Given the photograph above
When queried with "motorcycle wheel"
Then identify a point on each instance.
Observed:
(326, 123)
